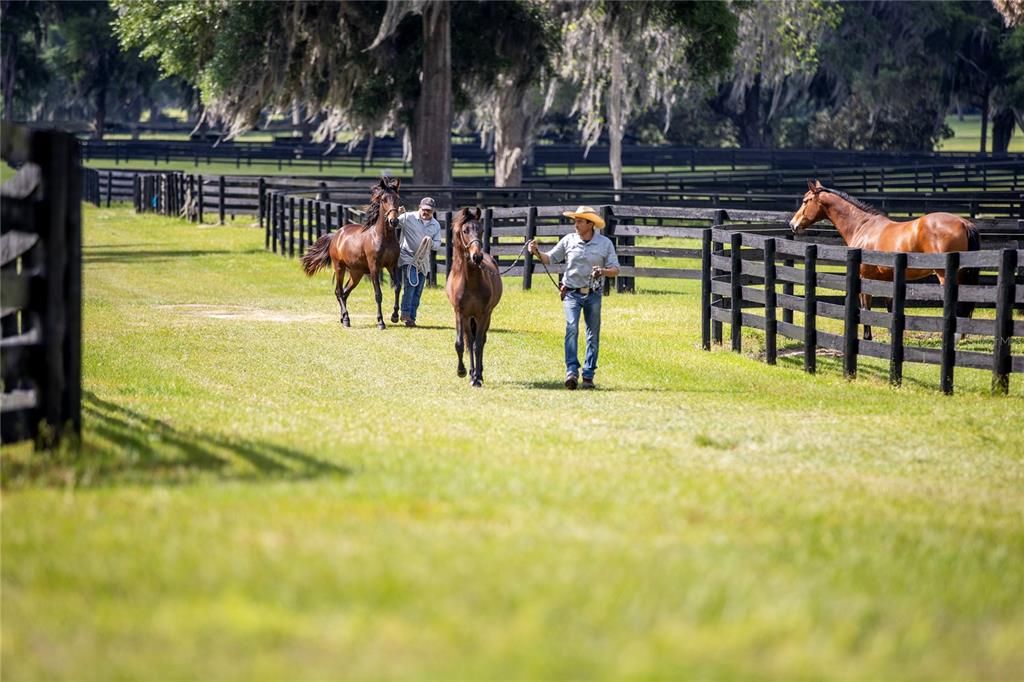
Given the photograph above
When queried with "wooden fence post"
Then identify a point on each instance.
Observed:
(302, 225)
(851, 313)
(705, 289)
(488, 228)
(810, 308)
(448, 246)
(220, 199)
(736, 280)
(291, 227)
(262, 200)
(950, 296)
(899, 304)
(200, 190)
(609, 230)
(771, 325)
(717, 249)
(270, 224)
(110, 187)
(531, 233)
(787, 287)
(1001, 360)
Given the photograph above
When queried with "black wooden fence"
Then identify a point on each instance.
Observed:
(41, 316)
(762, 280)
(225, 195)
(291, 221)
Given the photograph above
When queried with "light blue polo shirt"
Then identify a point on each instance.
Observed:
(580, 257)
(413, 231)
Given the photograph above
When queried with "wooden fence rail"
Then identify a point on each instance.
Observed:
(292, 221)
(742, 272)
(241, 195)
(40, 266)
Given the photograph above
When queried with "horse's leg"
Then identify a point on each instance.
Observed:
(481, 341)
(339, 291)
(865, 304)
(396, 283)
(375, 275)
(353, 281)
(460, 345)
(473, 335)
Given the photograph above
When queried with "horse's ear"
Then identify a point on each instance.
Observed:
(478, 213)
(466, 212)
(810, 185)
(817, 184)
(398, 183)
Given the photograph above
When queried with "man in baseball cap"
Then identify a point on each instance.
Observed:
(417, 227)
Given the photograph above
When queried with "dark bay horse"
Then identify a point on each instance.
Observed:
(864, 227)
(366, 249)
(474, 289)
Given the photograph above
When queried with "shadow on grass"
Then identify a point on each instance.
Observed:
(830, 363)
(125, 446)
(94, 256)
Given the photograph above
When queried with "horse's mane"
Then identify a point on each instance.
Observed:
(856, 202)
(371, 213)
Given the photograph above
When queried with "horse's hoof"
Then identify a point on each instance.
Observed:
(476, 383)
(461, 371)
(346, 323)
(394, 318)
(380, 325)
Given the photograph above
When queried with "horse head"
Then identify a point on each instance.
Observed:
(468, 234)
(811, 210)
(385, 195)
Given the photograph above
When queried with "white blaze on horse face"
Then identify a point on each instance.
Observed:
(794, 222)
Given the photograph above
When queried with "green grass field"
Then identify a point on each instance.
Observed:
(261, 494)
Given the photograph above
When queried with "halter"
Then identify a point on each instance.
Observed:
(465, 245)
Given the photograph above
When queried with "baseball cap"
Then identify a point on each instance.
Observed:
(427, 202)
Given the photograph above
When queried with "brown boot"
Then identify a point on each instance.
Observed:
(570, 382)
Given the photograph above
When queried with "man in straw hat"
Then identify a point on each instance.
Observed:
(589, 256)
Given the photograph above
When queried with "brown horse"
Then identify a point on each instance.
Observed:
(366, 249)
(864, 227)
(474, 289)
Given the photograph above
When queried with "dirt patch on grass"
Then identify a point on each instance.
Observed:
(239, 312)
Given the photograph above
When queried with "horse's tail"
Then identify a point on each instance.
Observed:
(969, 276)
(318, 255)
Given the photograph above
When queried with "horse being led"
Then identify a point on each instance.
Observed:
(474, 289)
(864, 227)
(366, 249)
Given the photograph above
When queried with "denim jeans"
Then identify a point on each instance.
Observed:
(411, 293)
(590, 305)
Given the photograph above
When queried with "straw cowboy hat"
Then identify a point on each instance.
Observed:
(587, 213)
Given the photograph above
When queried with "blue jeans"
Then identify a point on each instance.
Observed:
(590, 306)
(411, 292)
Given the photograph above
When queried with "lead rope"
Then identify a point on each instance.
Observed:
(420, 262)
(521, 252)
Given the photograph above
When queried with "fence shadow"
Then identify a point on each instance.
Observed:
(125, 446)
(91, 256)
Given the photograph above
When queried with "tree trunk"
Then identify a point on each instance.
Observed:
(100, 118)
(984, 119)
(1002, 130)
(616, 95)
(516, 114)
(369, 148)
(432, 119)
(749, 123)
(9, 71)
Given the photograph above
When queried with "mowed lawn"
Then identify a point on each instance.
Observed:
(262, 494)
